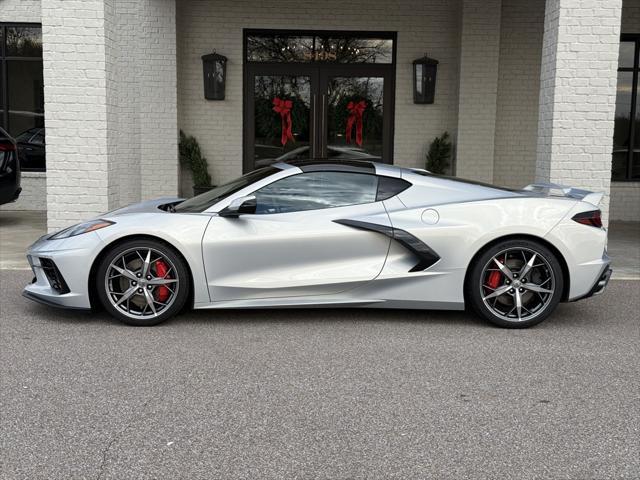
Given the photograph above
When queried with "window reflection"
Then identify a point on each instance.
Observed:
(24, 41)
(357, 50)
(316, 190)
(623, 110)
(318, 48)
(626, 54)
(269, 123)
(626, 136)
(26, 86)
(279, 48)
(359, 133)
(21, 78)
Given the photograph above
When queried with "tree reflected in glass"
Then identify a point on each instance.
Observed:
(268, 123)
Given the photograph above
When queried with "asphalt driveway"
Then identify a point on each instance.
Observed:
(320, 394)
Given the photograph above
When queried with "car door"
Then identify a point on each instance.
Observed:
(293, 245)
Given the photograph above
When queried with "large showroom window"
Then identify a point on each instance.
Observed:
(22, 91)
(626, 136)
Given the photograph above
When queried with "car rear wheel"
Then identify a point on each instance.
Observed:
(142, 282)
(515, 284)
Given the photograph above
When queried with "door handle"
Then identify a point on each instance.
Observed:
(313, 133)
(323, 128)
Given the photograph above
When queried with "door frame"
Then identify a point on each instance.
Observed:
(319, 72)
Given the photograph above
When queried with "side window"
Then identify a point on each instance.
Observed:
(38, 138)
(389, 187)
(316, 190)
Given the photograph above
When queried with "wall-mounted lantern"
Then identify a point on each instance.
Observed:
(424, 79)
(214, 69)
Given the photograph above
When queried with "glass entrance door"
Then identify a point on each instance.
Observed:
(281, 116)
(316, 96)
(354, 121)
(332, 113)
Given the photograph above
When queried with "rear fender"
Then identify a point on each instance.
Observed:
(462, 229)
(584, 248)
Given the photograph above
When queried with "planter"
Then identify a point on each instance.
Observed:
(197, 190)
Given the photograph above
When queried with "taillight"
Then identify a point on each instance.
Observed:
(592, 218)
(7, 147)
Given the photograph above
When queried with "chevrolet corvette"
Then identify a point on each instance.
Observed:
(333, 234)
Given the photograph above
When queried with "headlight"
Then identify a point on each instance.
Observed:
(85, 227)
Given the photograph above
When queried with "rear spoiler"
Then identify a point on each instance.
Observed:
(553, 189)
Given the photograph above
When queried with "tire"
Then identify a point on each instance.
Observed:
(138, 300)
(519, 302)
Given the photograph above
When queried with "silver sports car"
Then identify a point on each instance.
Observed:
(327, 234)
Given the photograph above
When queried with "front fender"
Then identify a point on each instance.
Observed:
(183, 231)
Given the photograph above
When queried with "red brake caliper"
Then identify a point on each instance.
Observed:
(495, 277)
(162, 292)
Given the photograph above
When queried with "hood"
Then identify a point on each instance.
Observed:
(148, 206)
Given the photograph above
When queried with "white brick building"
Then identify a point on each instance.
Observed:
(528, 89)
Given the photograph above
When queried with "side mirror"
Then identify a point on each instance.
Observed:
(240, 206)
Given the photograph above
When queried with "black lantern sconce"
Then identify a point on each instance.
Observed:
(214, 69)
(424, 79)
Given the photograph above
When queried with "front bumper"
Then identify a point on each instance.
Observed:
(61, 270)
(47, 300)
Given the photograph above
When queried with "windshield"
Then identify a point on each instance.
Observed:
(201, 202)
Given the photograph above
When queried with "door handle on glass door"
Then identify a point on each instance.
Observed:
(323, 128)
(312, 140)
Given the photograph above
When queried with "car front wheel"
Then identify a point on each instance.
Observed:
(515, 283)
(142, 282)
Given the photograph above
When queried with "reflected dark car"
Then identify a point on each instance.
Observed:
(333, 153)
(31, 149)
(9, 169)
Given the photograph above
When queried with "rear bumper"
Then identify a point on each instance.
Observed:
(600, 284)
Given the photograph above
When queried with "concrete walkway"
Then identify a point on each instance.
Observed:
(18, 229)
(624, 249)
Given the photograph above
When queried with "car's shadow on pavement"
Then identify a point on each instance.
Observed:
(67, 316)
(264, 316)
(567, 315)
(324, 315)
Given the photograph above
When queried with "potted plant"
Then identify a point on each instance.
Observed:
(191, 157)
(439, 154)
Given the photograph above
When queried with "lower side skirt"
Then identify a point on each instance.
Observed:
(306, 302)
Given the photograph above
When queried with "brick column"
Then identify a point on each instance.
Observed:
(578, 93)
(479, 59)
(158, 99)
(74, 40)
(110, 105)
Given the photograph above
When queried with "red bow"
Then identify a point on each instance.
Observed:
(283, 107)
(356, 109)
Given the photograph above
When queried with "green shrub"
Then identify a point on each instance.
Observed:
(439, 154)
(191, 156)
